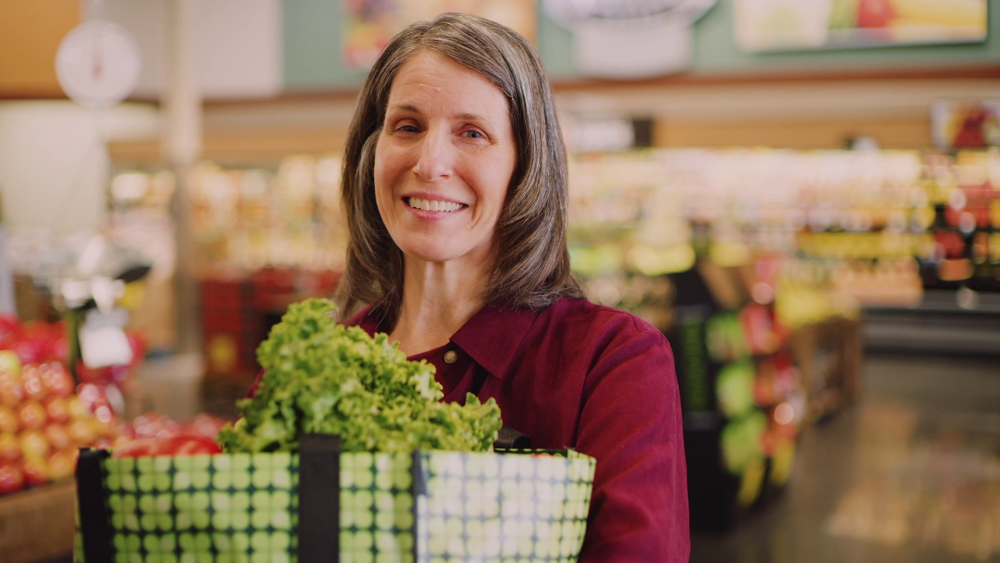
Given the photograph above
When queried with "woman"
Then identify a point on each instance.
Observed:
(455, 190)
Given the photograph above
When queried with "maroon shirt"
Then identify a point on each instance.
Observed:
(595, 379)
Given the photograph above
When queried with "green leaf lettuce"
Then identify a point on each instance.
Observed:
(322, 377)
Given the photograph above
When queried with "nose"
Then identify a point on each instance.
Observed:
(436, 156)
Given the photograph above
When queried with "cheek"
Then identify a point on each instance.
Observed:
(381, 174)
(498, 179)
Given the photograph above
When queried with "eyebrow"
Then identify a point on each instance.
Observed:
(463, 116)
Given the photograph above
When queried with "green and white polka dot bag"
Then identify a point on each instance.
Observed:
(428, 507)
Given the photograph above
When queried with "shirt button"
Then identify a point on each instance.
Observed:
(450, 357)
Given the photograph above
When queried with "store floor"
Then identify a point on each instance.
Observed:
(911, 473)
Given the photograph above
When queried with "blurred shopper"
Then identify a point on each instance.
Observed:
(455, 188)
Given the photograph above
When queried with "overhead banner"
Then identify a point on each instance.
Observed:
(629, 39)
(777, 25)
(369, 25)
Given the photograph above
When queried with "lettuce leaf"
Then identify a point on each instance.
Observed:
(322, 377)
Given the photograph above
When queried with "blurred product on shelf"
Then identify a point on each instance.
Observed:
(878, 226)
(265, 235)
(109, 294)
(252, 218)
(247, 221)
(238, 311)
(140, 218)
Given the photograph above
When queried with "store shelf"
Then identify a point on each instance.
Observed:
(939, 324)
(237, 147)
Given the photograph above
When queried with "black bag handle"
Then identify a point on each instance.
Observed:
(510, 439)
(91, 498)
(418, 488)
(319, 499)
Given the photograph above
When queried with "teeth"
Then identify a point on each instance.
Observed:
(434, 205)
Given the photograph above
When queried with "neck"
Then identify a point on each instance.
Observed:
(438, 299)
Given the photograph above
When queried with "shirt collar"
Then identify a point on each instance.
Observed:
(490, 337)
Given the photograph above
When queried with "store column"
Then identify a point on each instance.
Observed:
(181, 145)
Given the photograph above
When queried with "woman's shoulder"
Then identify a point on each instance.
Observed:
(580, 318)
(577, 310)
(600, 340)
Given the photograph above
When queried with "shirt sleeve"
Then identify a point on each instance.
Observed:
(631, 423)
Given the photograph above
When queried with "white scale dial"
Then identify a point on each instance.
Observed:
(98, 63)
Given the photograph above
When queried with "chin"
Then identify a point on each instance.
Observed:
(428, 253)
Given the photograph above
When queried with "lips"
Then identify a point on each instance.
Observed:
(433, 204)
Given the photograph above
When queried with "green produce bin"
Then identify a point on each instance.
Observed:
(281, 507)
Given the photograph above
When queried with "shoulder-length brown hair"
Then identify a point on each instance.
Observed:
(532, 264)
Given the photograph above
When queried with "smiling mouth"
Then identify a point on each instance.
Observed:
(433, 204)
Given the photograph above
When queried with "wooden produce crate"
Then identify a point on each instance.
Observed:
(37, 524)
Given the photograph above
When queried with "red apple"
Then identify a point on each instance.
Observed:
(8, 420)
(34, 444)
(35, 472)
(10, 363)
(57, 380)
(103, 444)
(207, 425)
(57, 408)
(106, 428)
(61, 464)
(77, 408)
(147, 425)
(10, 447)
(11, 392)
(8, 323)
(57, 348)
(57, 435)
(31, 414)
(91, 394)
(30, 349)
(82, 431)
(31, 381)
(121, 440)
(11, 477)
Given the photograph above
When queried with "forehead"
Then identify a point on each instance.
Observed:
(430, 76)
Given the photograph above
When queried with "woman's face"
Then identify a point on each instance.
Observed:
(444, 160)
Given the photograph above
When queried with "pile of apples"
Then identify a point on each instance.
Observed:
(44, 422)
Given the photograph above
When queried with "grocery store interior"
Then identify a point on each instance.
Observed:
(803, 196)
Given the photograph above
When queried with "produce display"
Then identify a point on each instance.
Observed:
(324, 378)
(46, 416)
(252, 217)
(43, 422)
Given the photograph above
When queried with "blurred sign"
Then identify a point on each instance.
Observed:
(369, 25)
(774, 25)
(609, 134)
(965, 124)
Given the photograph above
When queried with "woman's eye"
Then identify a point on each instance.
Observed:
(407, 129)
(473, 134)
